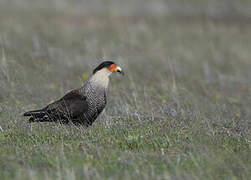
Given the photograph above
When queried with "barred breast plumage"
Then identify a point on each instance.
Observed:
(80, 106)
(96, 100)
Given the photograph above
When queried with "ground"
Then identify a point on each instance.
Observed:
(181, 112)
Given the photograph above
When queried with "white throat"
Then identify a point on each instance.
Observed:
(101, 78)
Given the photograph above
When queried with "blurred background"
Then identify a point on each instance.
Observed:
(205, 40)
(209, 8)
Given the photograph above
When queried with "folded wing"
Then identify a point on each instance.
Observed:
(72, 106)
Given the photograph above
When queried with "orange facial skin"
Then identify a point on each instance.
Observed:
(113, 67)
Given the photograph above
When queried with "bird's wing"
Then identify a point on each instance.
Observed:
(72, 105)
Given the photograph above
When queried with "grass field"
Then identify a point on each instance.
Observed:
(183, 110)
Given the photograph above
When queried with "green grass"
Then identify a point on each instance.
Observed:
(145, 151)
(181, 112)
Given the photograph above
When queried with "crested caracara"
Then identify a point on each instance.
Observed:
(82, 105)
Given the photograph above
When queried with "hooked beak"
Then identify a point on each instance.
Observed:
(119, 70)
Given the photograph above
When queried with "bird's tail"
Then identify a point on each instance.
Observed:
(33, 113)
(37, 116)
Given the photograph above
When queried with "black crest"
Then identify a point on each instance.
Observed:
(102, 65)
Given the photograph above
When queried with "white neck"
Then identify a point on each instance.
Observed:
(101, 78)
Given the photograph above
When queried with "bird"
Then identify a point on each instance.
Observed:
(80, 106)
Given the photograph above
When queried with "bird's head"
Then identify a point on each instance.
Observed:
(110, 66)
